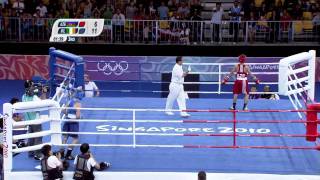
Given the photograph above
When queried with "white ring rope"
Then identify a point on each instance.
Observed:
(32, 135)
(118, 120)
(124, 145)
(195, 64)
(29, 148)
(121, 134)
(30, 122)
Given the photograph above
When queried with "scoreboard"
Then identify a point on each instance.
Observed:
(70, 29)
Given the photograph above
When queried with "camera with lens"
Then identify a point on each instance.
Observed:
(56, 153)
(41, 88)
(32, 88)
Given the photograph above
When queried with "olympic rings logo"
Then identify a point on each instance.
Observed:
(113, 67)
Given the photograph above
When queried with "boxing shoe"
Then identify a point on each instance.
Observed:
(169, 113)
(184, 114)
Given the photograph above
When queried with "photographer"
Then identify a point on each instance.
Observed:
(85, 164)
(51, 165)
(30, 95)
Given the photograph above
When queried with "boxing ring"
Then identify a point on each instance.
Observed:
(271, 141)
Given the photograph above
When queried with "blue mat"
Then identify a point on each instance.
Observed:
(193, 159)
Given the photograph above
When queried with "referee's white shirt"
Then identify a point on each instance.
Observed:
(90, 88)
(177, 74)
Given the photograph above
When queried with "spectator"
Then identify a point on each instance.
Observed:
(118, 21)
(290, 4)
(107, 13)
(146, 32)
(85, 164)
(202, 175)
(252, 25)
(163, 11)
(306, 5)
(235, 14)
(96, 13)
(139, 24)
(196, 6)
(253, 92)
(4, 3)
(29, 95)
(141, 9)
(27, 25)
(53, 7)
(268, 95)
(263, 10)
(18, 6)
(62, 13)
(297, 12)
(90, 87)
(285, 23)
(51, 165)
(184, 34)
(87, 9)
(43, 9)
(172, 5)
(196, 27)
(274, 27)
(39, 25)
(72, 7)
(183, 10)
(151, 10)
(216, 21)
(130, 10)
(316, 26)
(252, 8)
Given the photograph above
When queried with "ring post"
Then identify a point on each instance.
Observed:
(312, 118)
(234, 128)
(7, 139)
(55, 124)
(312, 74)
(219, 80)
(134, 128)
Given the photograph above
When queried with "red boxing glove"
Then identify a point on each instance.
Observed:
(257, 81)
(225, 80)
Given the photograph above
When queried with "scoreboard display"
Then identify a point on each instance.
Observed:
(68, 30)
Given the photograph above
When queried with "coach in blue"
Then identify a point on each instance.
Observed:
(72, 112)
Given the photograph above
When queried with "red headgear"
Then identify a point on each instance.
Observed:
(242, 58)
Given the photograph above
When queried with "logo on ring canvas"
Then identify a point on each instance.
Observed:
(113, 67)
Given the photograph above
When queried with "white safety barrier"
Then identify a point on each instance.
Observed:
(298, 82)
(53, 109)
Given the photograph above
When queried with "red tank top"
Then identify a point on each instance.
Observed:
(241, 74)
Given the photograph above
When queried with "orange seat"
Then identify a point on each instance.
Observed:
(298, 27)
(258, 3)
(307, 25)
(307, 16)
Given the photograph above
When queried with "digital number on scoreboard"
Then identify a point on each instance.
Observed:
(69, 30)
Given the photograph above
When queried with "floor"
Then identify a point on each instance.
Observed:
(180, 159)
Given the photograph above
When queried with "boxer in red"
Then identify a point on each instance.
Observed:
(240, 86)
